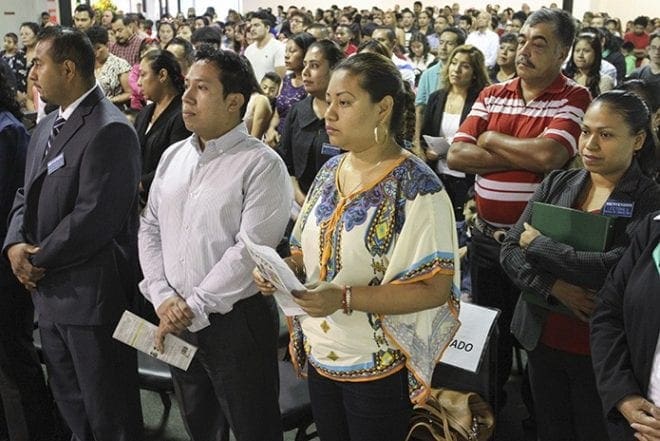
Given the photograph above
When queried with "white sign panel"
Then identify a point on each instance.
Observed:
(467, 347)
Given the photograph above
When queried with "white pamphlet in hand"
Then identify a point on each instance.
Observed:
(140, 334)
(277, 272)
(437, 144)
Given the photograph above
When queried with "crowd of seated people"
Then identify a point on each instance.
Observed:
(351, 141)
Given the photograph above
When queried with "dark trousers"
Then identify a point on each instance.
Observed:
(567, 404)
(233, 380)
(28, 409)
(360, 411)
(94, 381)
(492, 287)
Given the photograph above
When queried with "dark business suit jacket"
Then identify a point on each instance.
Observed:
(82, 215)
(168, 129)
(546, 260)
(625, 326)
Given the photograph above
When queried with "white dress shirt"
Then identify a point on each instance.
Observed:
(198, 204)
(487, 42)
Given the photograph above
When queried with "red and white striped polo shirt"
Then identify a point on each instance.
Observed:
(557, 114)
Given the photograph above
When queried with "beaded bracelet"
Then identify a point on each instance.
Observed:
(346, 294)
(299, 271)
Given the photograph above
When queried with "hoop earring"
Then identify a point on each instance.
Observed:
(387, 134)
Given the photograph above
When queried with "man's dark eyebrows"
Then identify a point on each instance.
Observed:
(539, 37)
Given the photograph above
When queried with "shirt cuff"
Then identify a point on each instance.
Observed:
(201, 319)
(156, 293)
(537, 248)
(197, 305)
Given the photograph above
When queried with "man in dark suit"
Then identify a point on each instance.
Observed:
(71, 234)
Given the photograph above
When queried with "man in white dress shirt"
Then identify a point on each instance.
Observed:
(207, 189)
(484, 39)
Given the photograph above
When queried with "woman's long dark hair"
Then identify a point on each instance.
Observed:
(593, 76)
(8, 95)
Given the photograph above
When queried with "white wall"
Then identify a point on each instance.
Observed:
(15, 12)
(200, 6)
(617, 8)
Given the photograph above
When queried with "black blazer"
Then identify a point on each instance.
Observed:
(82, 214)
(625, 325)
(546, 260)
(168, 129)
(435, 108)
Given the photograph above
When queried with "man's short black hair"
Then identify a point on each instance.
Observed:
(466, 18)
(84, 7)
(274, 77)
(391, 36)
(127, 19)
(460, 35)
(233, 72)
(70, 44)
(265, 17)
(208, 35)
(97, 35)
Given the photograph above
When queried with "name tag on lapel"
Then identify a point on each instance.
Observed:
(618, 209)
(56, 163)
(330, 150)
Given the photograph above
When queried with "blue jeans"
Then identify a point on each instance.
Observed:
(360, 411)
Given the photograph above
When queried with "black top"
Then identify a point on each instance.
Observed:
(303, 137)
(14, 140)
(168, 129)
(625, 325)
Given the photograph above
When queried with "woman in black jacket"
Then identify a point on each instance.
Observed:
(305, 144)
(160, 123)
(463, 77)
(616, 146)
(624, 338)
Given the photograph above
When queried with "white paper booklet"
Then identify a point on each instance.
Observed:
(139, 333)
(274, 269)
(437, 144)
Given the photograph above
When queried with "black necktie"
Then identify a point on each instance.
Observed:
(59, 122)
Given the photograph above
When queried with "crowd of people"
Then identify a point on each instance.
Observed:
(393, 158)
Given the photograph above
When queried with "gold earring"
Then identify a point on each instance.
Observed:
(376, 137)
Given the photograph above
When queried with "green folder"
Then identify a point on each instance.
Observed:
(583, 231)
